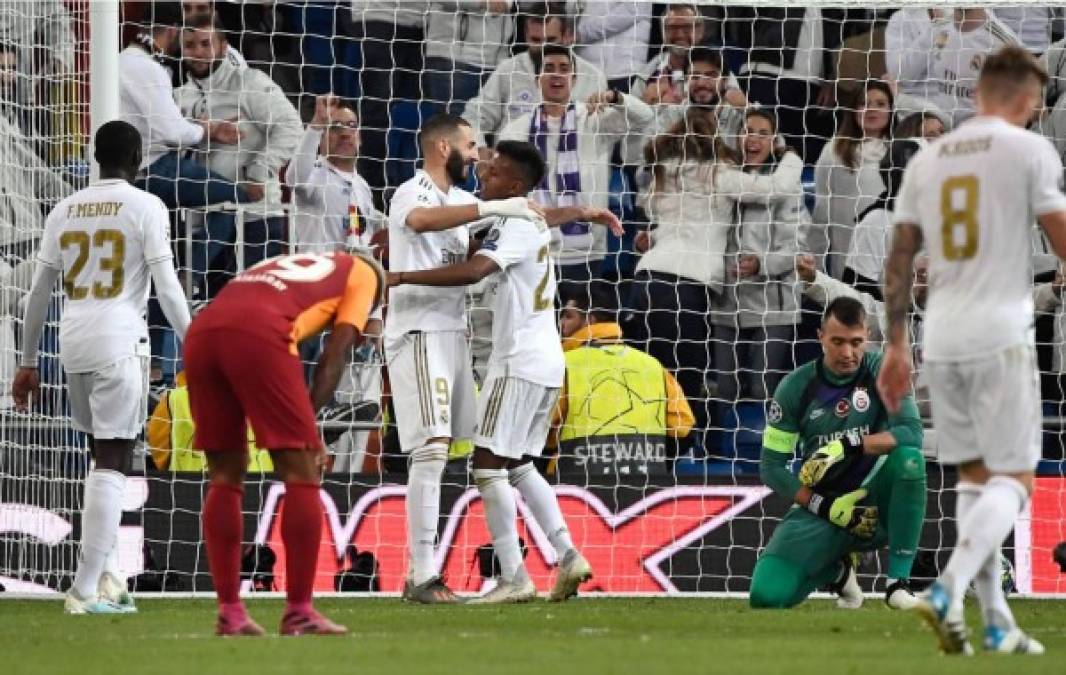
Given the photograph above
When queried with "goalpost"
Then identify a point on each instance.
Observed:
(696, 528)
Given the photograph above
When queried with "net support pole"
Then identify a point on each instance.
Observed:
(103, 67)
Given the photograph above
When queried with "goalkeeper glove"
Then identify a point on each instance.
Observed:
(513, 207)
(844, 511)
(826, 457)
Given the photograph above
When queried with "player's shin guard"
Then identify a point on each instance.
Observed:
(423, 508)
(100, 520)
(906, 510)
(982, 532)
(541, 500)
(223, 529)
(501, 513)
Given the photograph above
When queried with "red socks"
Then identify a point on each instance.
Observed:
(301, 532)
(223, 528)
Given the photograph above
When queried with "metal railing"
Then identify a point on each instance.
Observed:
(239, 212)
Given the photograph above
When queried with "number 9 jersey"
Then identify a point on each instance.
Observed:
(975, 193)
(103, 239)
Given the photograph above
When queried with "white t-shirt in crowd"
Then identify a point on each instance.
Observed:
(328, 202)
(956, 63)
(146, 100)
(869, 244)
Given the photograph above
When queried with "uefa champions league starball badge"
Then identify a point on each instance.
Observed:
(775, 414)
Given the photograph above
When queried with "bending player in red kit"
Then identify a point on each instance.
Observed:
(242, 365)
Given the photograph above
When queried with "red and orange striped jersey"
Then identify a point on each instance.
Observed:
(293, 297)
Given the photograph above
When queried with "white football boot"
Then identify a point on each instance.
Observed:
(573, 571)
(77, 605)
(899, 595)
(1012, 641)
(849, 593)
(114, 591)
(946, 619)
(508, 593)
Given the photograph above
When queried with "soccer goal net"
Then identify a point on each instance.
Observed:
(751, 152)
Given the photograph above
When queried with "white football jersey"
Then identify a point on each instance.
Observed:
(425, 308)
(956, 61)
(525, 336)
(975, 193)
(103, 239)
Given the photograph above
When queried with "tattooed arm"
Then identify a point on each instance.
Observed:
(894, 380)
(899, 274)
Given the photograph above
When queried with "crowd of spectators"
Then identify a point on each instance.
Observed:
(753, 153)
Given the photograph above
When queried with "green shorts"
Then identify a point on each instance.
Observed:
(814, 543)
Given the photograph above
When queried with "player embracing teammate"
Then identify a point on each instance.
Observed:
(429, 358)
(525, 372)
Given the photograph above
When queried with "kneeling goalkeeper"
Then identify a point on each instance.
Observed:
(862, 484)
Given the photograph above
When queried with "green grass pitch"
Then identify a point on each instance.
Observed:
(640, 636)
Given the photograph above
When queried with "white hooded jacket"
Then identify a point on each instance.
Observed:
(269, 122)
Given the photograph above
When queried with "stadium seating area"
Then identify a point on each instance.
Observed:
(823, 75)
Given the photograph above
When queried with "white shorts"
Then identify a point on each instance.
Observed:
(433, 391)
(514, 416)
(988, 409)
(110, 403)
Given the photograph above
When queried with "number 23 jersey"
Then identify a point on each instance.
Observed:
(975, 193)
(103, 239)
(525, 338)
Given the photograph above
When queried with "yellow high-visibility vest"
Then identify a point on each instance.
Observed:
(182, 455)
(613, 390)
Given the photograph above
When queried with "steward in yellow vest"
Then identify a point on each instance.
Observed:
(618, 406)
(170, 436)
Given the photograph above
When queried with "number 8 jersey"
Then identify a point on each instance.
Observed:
(103, 239)
(975, 193)
(286, 299)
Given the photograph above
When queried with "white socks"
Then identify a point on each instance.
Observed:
(501, 512)
(541, 500)
(994, 608)
(423, 508)
(984, 524)
(100, 519)
(987, 583)
(111, 565)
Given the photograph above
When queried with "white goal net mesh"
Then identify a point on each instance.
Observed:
(745, 149)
